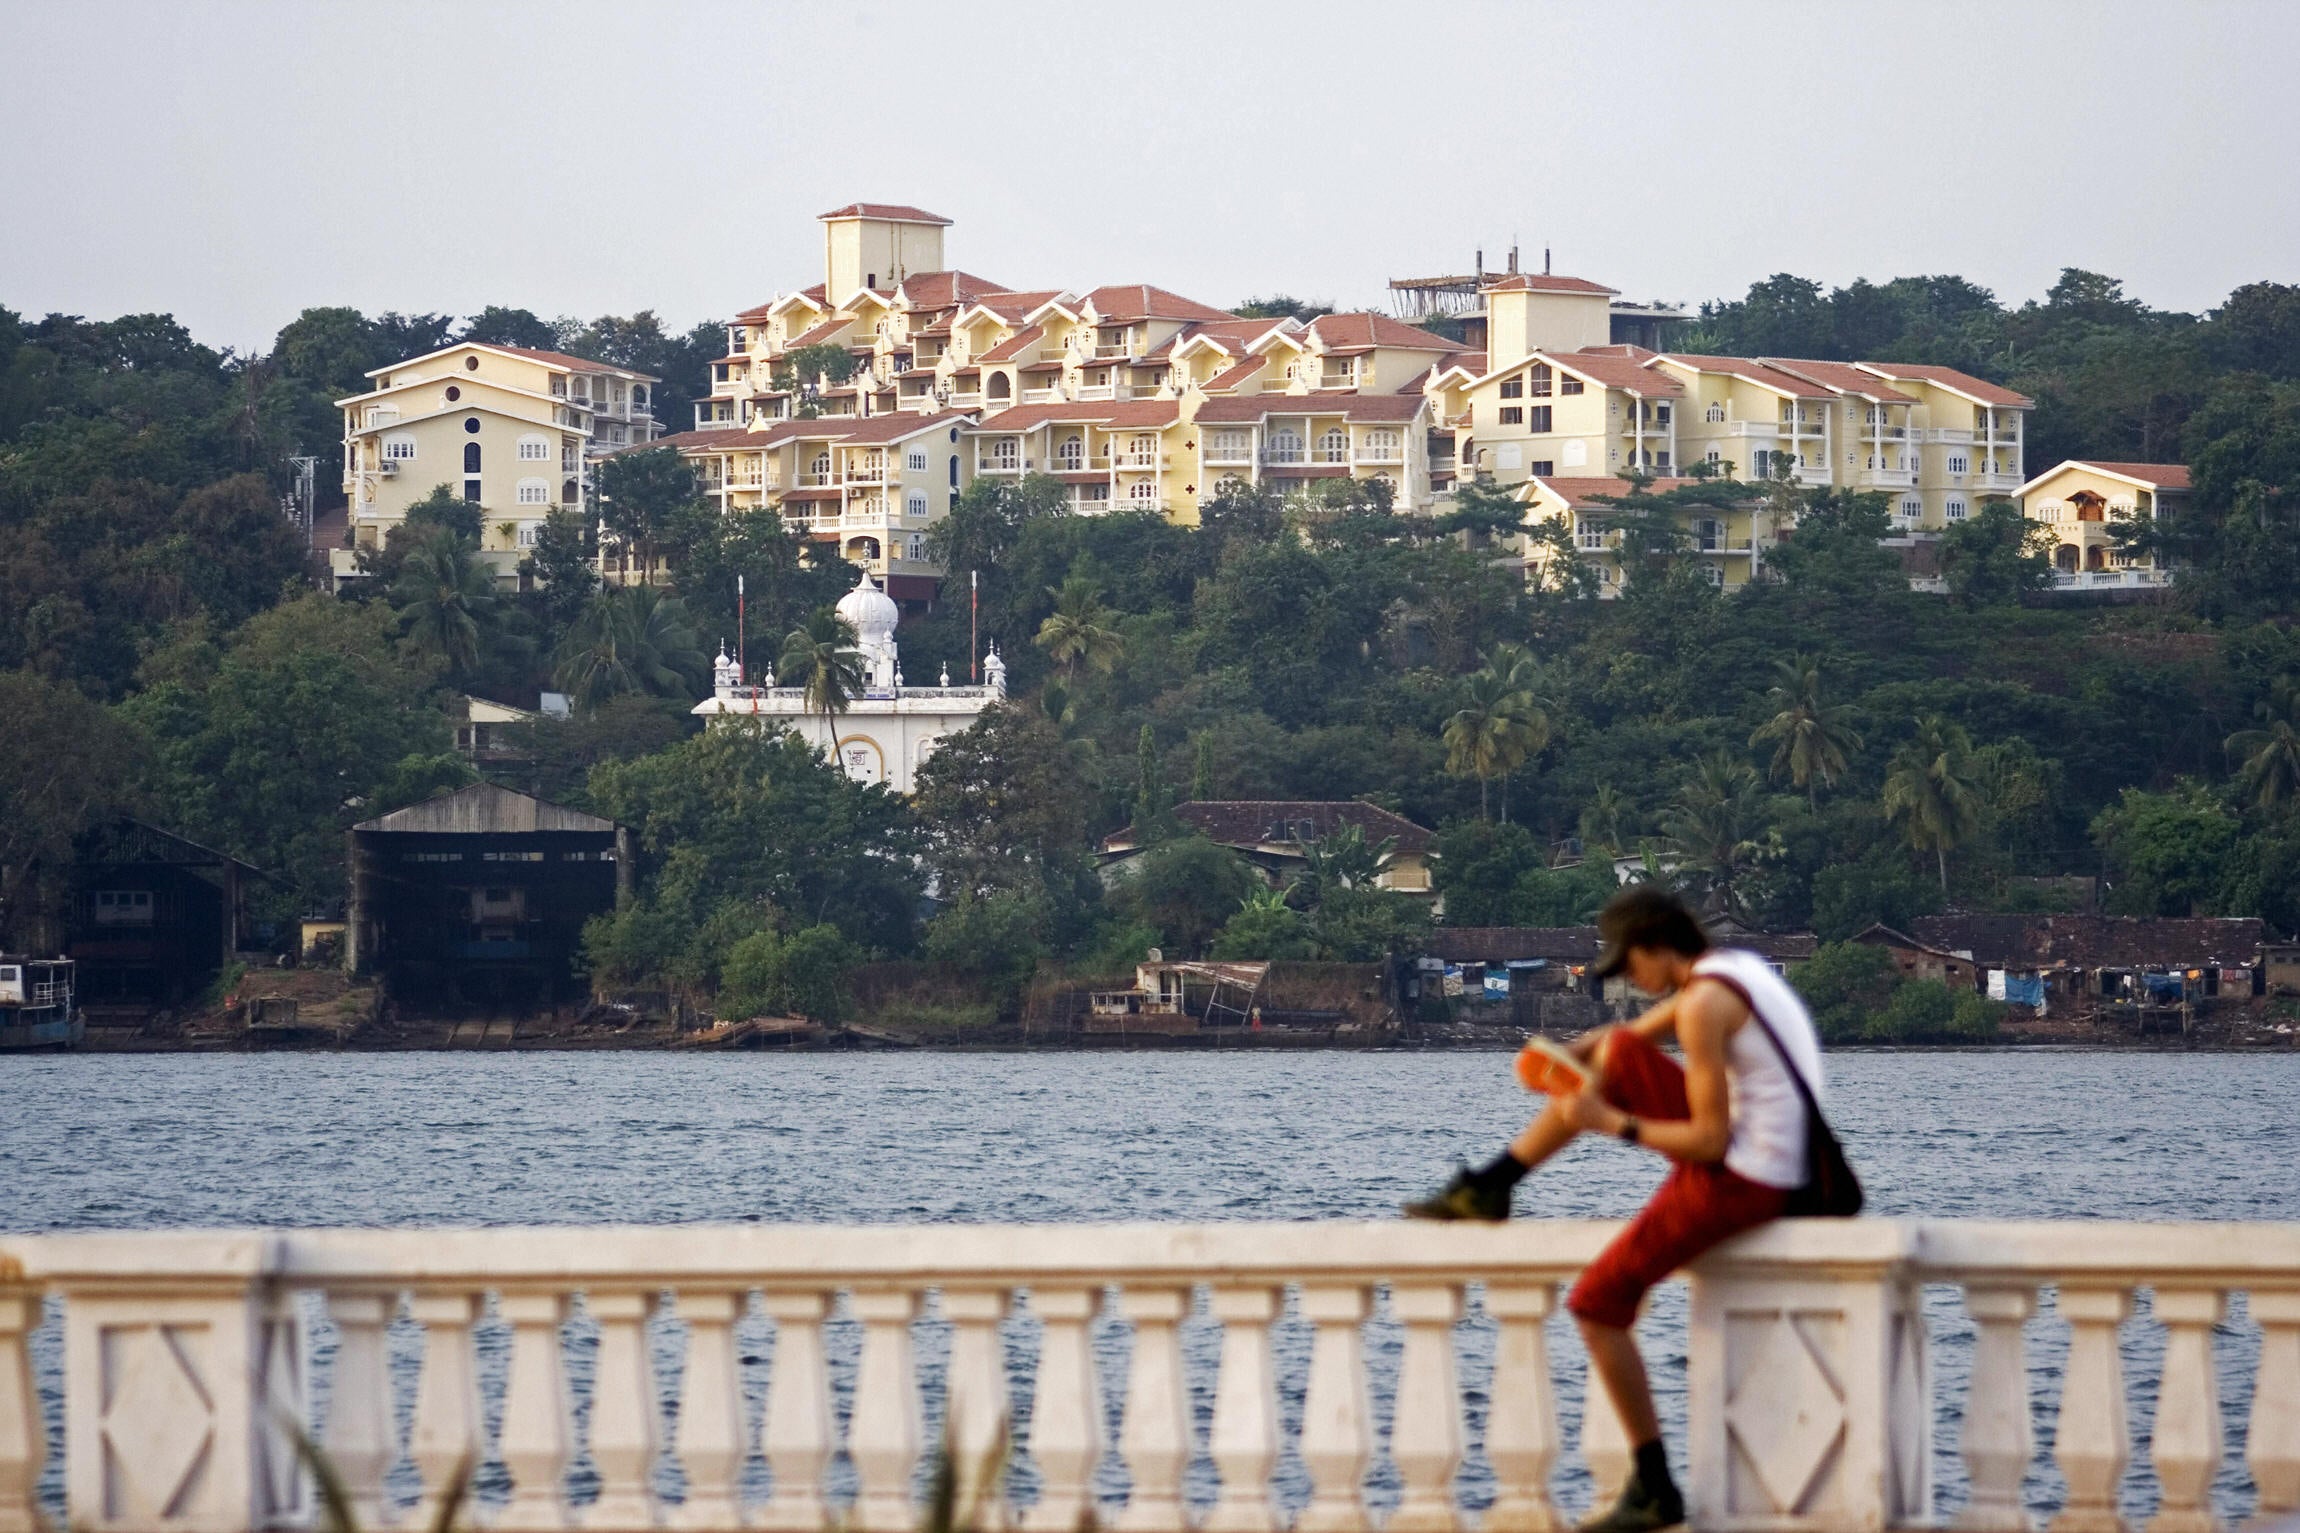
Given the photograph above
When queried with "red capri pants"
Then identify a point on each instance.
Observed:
(1694, 1208)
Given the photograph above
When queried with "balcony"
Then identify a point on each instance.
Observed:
(1805, 425)
(998, 465)
(867, 473)
(1131, 462)
(828, 481)
(1338, 380)
(1112, 351)
(971, 401)
(1811, 1400)
(1948, 436)
(1095, 391)
(1228, 456)
(1884, 478)
(2112, 580)
(1753, 428)
(1283, 455)
(1379, 455)
(1992, 483)
(1046, 396)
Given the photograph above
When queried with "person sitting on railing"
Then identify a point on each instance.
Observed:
(1731, 1119)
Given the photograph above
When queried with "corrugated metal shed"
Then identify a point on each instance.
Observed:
(485, 809)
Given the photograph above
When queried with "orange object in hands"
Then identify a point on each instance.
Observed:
(1550, 1070)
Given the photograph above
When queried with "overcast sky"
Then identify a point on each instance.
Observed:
(234, 163)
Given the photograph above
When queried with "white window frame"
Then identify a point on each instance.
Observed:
(1955, 510)
(1959, 464)
(528, 533)
(534, 449)
(1911, 508)
(399, 448)
(915, 458)
(916, 504)
(533, 492)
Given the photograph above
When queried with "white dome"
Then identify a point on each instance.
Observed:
(870, 610)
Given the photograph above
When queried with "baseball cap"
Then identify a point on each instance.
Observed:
(1644, 915)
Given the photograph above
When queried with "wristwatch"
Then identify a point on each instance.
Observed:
(1627, 1133)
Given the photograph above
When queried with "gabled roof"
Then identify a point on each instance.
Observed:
(485, 809)
(714, 439)
(1607, 369)
(558, 359)
(1015, 345)
(2039, 941)
(1596, 491)
(812, 297)
(1543, 282)
(1139, 300)
(1978, 390)
(885, 212)
(1749, 370)
(1232, 337)
(828, 330)
(1230, 378)
(1015, 307)
(896, 428)
(1369, 329)
(2155, 476)
(1843, 377)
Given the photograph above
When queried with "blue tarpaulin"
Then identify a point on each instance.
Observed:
(2164, 987)
(2024, 989)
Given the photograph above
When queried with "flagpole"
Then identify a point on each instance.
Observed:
(740, 634)
(973, 626)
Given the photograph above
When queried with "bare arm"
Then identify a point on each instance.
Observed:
(1705, 1016)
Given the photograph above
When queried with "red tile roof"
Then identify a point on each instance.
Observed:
(1542, 282)
(2165, 476)
(1337, 330)
(1356, 407)
(1949, 378)
(1580, 492)
(1231, 377)
(893, 212)
(1015, 307)
(893, 428)
(1752, 371)
(1016, 344)
(712, 439)
(1270, 822)
(1619, 373)
(1843, 376)
(828, 330)
(941, 289)
(1127, 412)
(1139, 300)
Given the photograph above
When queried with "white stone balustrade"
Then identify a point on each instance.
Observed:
(1811, 1403)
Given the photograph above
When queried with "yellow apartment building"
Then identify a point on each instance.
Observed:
(869, 485)
(511, 429)
(1730, 539)
(2081, 503)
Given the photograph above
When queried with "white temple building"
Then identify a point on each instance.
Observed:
(889, 728)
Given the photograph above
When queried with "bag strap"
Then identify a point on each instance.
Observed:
(1757, 1016)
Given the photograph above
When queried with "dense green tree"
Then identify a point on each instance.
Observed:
(635, 639)
(1996, 555)
(2167, 853)
(1929, 791)
(499, 326)
(447, 605)
(820, 656)
(1716, 835)
(1077, 635)
(2268, 755)
(66, 765)
(1185, 889)
(1811, 737)
(649, 504)
(998, 937)
(1265, 928)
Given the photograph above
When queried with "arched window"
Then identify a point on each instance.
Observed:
(1334, 445)
(1070, 453)
(1005, 453)
(1715, 412)
(1285, 445)
(471, 457)
(1540, 379)
(915, 505)
(998, 388)
(534, 449)
(820, 465)
(1143, 490)
(534, 492)
(1956, 510)
(568, 493)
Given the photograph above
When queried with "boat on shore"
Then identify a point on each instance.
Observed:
(38, 1005)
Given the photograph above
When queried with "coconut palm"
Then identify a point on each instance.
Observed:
(447, 602)
(1601, 821)
(1342, 860)
(1930, 792)
(1811, 737)
(821, 657)
(631, 639)
(1487, 735)
(1715, 833)
(1077, 635)
(2269, 757)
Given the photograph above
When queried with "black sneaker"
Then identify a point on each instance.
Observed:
(1465, 1197)
(1640, 1510)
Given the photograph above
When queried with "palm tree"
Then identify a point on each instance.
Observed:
(1077, 635)
(1812, 738)
(447, 601)
(1715, 833)
(1601, 821)
(1343, 860)
(2270, 755)
(630, 639)
(1929, 791)
(822, 658)
(1502, 726)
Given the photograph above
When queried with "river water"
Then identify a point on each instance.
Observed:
(139, 1142)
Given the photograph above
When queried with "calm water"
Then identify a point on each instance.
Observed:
(151, 1141)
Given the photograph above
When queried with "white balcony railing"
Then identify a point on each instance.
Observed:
(1811, 1400)
(2111, 580)
(992, 464)
(1378, 455)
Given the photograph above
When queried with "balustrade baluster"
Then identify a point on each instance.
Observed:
(2186, 1443)
(283, 1404)
(711, 1439)
(883, 1436)
(445, 1437)
(2092, 1442)
(1426, 1437)
(1521, 1416)
(1245, 1434)
(534, 1436)
(1066, 1420)
(1998, 1440)
(974, 1424)
(1604, 1445)
(623, 1416)
(1156, 1433)
(23, 1435)
(798, 1425)
(1337, 1425)
(2272, 1436)
(359, 1440)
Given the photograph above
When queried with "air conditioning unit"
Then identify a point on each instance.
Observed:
(390, 468)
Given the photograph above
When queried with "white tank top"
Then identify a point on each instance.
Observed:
(1767, 1114)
